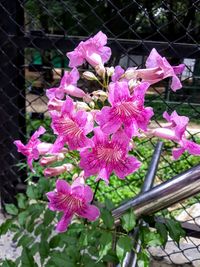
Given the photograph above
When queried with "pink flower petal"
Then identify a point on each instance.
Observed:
(104, 175)
(118, 92)
(192, 147)
(108, 122)
(90, 212)
(63, 187)
(64, 223)
(37, 133)
(126, 167)
(117, 73)
(179, 69)
(177, 152)
(176, 84)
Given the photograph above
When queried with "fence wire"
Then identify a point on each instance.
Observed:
(35, 36)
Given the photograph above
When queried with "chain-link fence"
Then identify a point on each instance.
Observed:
(35, 36)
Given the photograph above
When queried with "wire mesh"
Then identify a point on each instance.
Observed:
(35, 36)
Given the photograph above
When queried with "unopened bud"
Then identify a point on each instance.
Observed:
(100, 69)
(88, 75)
(51, 159)
(132, 84)
(82, 106)
(55, 171)
(110, 71)
(101, 95)
(87, 98)
(92, 104)
(130, 74)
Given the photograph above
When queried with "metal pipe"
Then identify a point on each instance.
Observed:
(152, 169)
(164, 195)
(131, 258)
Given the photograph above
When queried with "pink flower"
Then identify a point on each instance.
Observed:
(67, 86)
(127, 111)
(93, 51)
(175, 131)
(155, 60)
(71, 127)
(72, 200)
(108, 156)
(30, 150)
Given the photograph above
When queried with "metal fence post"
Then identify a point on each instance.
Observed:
(12, 96)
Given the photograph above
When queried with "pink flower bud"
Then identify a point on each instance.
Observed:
(164, 133)
(100, 69)
(101, 95)
(130, 74)
(152, 74)
(82, 106)
(51, 159)
(55, 171)
(88, 75)
(110, 71)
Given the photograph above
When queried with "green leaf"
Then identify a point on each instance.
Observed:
(33, 192)
(175, 230)
(48, 217)
(4, 227)
(34, 249)
(128, 221)
(54, 242)
(149, 238)
(124, 245)
(109, 204)
(143, 259)
(8, 263)
(43, 250)
(83, 240)
(17, 235)
(22, 217)
(105, 244)
(89, 262)
(25, 241)
(21, 201)
(162, 230)
(107, 218)
(60, 260)
(39, 229)
(11, 209)
(27, 259)
(153, 239)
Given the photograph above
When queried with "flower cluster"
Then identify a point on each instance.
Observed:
(101, 125)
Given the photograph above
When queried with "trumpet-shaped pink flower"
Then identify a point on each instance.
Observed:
(175, 131)
(127, 111)
(93, 51)
(72, 200)
(67, 86)
(108, 156)
(154, 60)
(71, 127)
(32, 150)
